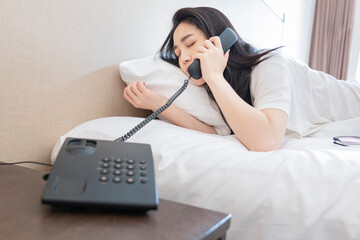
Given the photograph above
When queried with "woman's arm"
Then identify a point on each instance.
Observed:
(181, 118)
(257, 130)
(140, 96)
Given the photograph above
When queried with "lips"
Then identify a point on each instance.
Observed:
(187, 70)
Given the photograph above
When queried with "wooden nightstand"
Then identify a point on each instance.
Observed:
(24, 217)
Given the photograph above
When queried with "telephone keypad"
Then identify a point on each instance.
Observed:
(118, 166)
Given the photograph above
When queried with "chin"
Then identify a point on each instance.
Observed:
(198, 82)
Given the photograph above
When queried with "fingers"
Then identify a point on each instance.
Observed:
(227, 54)
(216, 41)
(201, 49)
(142, 88)
(128, 95)
(134, 87)
(131, 92)
(208, 44)
(213, 43)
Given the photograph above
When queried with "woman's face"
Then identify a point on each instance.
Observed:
(187, 39)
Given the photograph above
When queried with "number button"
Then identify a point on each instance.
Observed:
(130, 180)
(118, 160)
(103, 178)
(117, 165)
(117, 179)
(105, 165)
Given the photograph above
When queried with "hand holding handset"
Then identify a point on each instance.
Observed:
(228, 37)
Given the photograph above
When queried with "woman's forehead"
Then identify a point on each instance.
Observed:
(184, 30)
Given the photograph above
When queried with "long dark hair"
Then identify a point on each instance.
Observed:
(243, 56)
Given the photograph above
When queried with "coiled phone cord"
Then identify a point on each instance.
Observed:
(154, 114)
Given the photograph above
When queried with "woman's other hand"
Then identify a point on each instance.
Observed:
(138, 95)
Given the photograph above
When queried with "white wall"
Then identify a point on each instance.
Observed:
(254, 21)
(299, 20)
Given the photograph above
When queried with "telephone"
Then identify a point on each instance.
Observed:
(102, 174)
(112, 174)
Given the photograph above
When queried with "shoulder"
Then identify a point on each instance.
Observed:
(270, 84)
(273, 59)
(274, 68)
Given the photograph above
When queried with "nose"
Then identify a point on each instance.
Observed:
(185, 57)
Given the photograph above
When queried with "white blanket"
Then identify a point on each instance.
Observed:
(309, 189)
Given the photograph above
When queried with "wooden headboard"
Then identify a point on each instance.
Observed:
(59, 61)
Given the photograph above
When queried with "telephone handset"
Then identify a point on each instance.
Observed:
(228, 37)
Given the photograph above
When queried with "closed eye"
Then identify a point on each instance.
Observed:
(179, 54)
(191, 44)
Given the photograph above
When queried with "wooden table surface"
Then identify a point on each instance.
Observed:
(23, 216)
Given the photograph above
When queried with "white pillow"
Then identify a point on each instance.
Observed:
(166, 79)
(172, 137)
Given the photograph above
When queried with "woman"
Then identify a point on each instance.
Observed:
(262, 95)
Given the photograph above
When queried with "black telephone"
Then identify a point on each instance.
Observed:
(102, 174)
(112, 174)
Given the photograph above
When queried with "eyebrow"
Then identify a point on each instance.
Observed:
(182, 40)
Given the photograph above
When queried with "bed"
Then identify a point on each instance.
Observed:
(306, 190)
(309, 189)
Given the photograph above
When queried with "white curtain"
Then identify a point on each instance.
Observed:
(331, 37)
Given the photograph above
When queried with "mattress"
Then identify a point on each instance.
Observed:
(308, 189)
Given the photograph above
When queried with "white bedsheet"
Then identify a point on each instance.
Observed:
(309, 189)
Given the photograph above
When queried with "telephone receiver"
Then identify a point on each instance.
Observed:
(228, 37)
